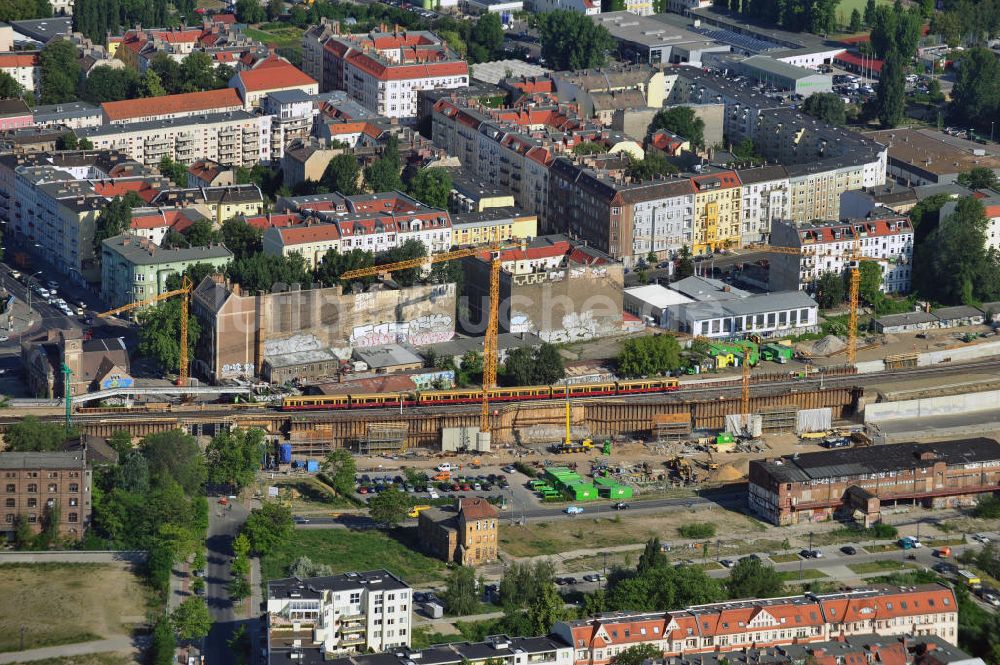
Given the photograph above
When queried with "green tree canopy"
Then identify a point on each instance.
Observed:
(250, 11)
(160, 333)
(854, 26)
(683, 121)
(60, 72)
(334, 264)
(268, 526)
(522, 583)
(240, 238)
(342, 174)
(411, 249)
(150, 85)
(895, 29)
(260, 272)
(32, 435)
(109, 84)
(191, 620)
(826, 106)
(545, 610)
(9, 88)
(234, 456)
(340, 467)
(979, 177)
(870, 287)
(649, 356)
(175, 456)
(830, 290)
(114, 219)
(487, 33)
(652, 165)
(524, 367)
(431, 187)
(637, 654)
(976, 94)
(460, 596)
(571, 40)
(176, 171)
(750, 578)
(891, 95)
(389, 507)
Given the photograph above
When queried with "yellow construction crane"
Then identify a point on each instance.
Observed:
(854, 258)
(492, 325)
(185, 292)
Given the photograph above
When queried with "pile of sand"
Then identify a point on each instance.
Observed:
(828, 345)
(726, 473)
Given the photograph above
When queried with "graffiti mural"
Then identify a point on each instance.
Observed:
(426, 329)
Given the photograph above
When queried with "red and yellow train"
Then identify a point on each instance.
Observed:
(472, 396)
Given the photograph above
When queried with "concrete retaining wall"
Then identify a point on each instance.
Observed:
(959, 354)
(933, 406)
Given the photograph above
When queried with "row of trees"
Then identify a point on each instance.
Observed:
(22, 10)
(98, 18)
(895, 35)
(816, 16)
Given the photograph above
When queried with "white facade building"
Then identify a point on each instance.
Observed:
(766, 198)
(353, 612)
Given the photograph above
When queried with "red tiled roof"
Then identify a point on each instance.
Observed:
(11, 60)
(477, 508)
(300, 235)
(226, 19)
(175, 219)
(280, 220)
(188, 102)
(394, 72)
(275, 78)
(143, 189)
(868, 227)
(727, 179)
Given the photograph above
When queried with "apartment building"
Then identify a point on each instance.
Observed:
(369, 231)
(339, 614)
(717, 202)
(466, 533)
(255, 85)
(221, 41)
(22, 66)
(828, 246)
(858, 482)
(236, 138)
(591, 88)
(133, 268)
(925, 610)
(71, 115)
(171, 107)
(498, 649)
(766, 198)
(37, 484)
(216, 203)
(492, 225)
(588, 7)
(384, 71)
(991, 208)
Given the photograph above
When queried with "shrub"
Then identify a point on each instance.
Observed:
(697, 530)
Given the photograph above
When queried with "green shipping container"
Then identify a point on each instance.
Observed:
(582, 492)
(616, 492)
(605, 481)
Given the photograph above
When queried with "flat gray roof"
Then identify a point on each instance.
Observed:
(766, 64)
(388, 355)
(148, 255)
(50, 460)
(905, 319)
(128, 128)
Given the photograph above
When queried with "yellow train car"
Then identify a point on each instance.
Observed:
(379, 399)
(461, 396)
(585, 390)
(309, 402)
(520, 393)
(647, 386)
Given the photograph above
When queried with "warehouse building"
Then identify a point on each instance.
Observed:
(854, 483)
(783, 76)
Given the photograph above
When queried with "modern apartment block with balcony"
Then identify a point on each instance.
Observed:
(499, 649)
(312, 619)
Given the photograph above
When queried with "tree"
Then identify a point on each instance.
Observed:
(411, 249)
(637, 654)
(274, 9)
(649, 356)
(545, 610)
(751, 578)
(23, 537)
(522, 583)
(891, 99)
(60, 72)
(85, 144)
(334, 264)
(524, 367)
(191, 619)
(895, 30)
(487, 33)
(163, 646)
(975, 98)
(549, 365)
(870, 287)
(114, 219)
(168, 71)
(240, 238)
(589, 148)
(32, 435)
(109, 84)
(652, 556)
(260, 272)
(460, 596)
(652, 165)
(9, 88)
(341, 174)
(979, 177)
(340, 467)
(304, 567)
(121, 441)
(174, 455)
(683, 121)
(234, 456)
(685, 265)
(389, 507)
(855, 26)
(454, 42)
(176, 171)
(382, 175)
(826, 106)
(133, 472)
(869, 12)
(432, 187)
(571, 40)
(268, 526)
(830, 290)
(67, 141)
(250, 11)
(150, 85)
(160, 333)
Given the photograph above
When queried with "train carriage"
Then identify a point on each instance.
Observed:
(647, 386)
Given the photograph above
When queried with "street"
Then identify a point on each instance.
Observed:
(224, 523)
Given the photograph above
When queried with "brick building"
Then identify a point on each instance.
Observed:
(34, 484)
(758, 623)
(467, 533)
(856, 482)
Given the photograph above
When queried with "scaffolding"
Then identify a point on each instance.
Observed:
(778, 419)
(901, 361)
(384, 437)
(671, 427)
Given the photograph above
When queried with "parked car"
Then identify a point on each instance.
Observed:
(806, 554)
(849, 550)
(621, 505)
(573, 510)
(728, 563)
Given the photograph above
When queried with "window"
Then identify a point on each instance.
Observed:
(11, 488)
(74, 487)
(32, 488)
(8, 518)
(355, 597)
(74, 517)
(10, 503)
(73, 501)
(53, 488)
(32, 503)
(32, 518)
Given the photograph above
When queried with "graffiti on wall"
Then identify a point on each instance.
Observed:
(520, 323)
(238, 369)
(426, 329)
(294, 344)
(434, 379)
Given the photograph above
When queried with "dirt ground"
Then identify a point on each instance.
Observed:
(584, 532)
(67, 603)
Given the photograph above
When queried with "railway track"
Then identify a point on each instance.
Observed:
(689, 391)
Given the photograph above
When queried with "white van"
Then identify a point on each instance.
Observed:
(445, 467)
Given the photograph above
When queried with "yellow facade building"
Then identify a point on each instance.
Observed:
(717, 202)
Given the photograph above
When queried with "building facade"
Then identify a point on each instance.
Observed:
(40, 486)
(466, 533)
(828, 247)
(857, 482)
(340, 614)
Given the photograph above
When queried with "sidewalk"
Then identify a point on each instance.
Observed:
(120, 644)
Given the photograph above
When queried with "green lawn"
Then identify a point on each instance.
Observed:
(423, 638)
(806, 574)
(845, 7)
(345, 550)
(282, 35)
(882, 565)
(787, 557)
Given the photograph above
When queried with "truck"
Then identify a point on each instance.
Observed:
(563, 448)
(416, 510)
(970, 579)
